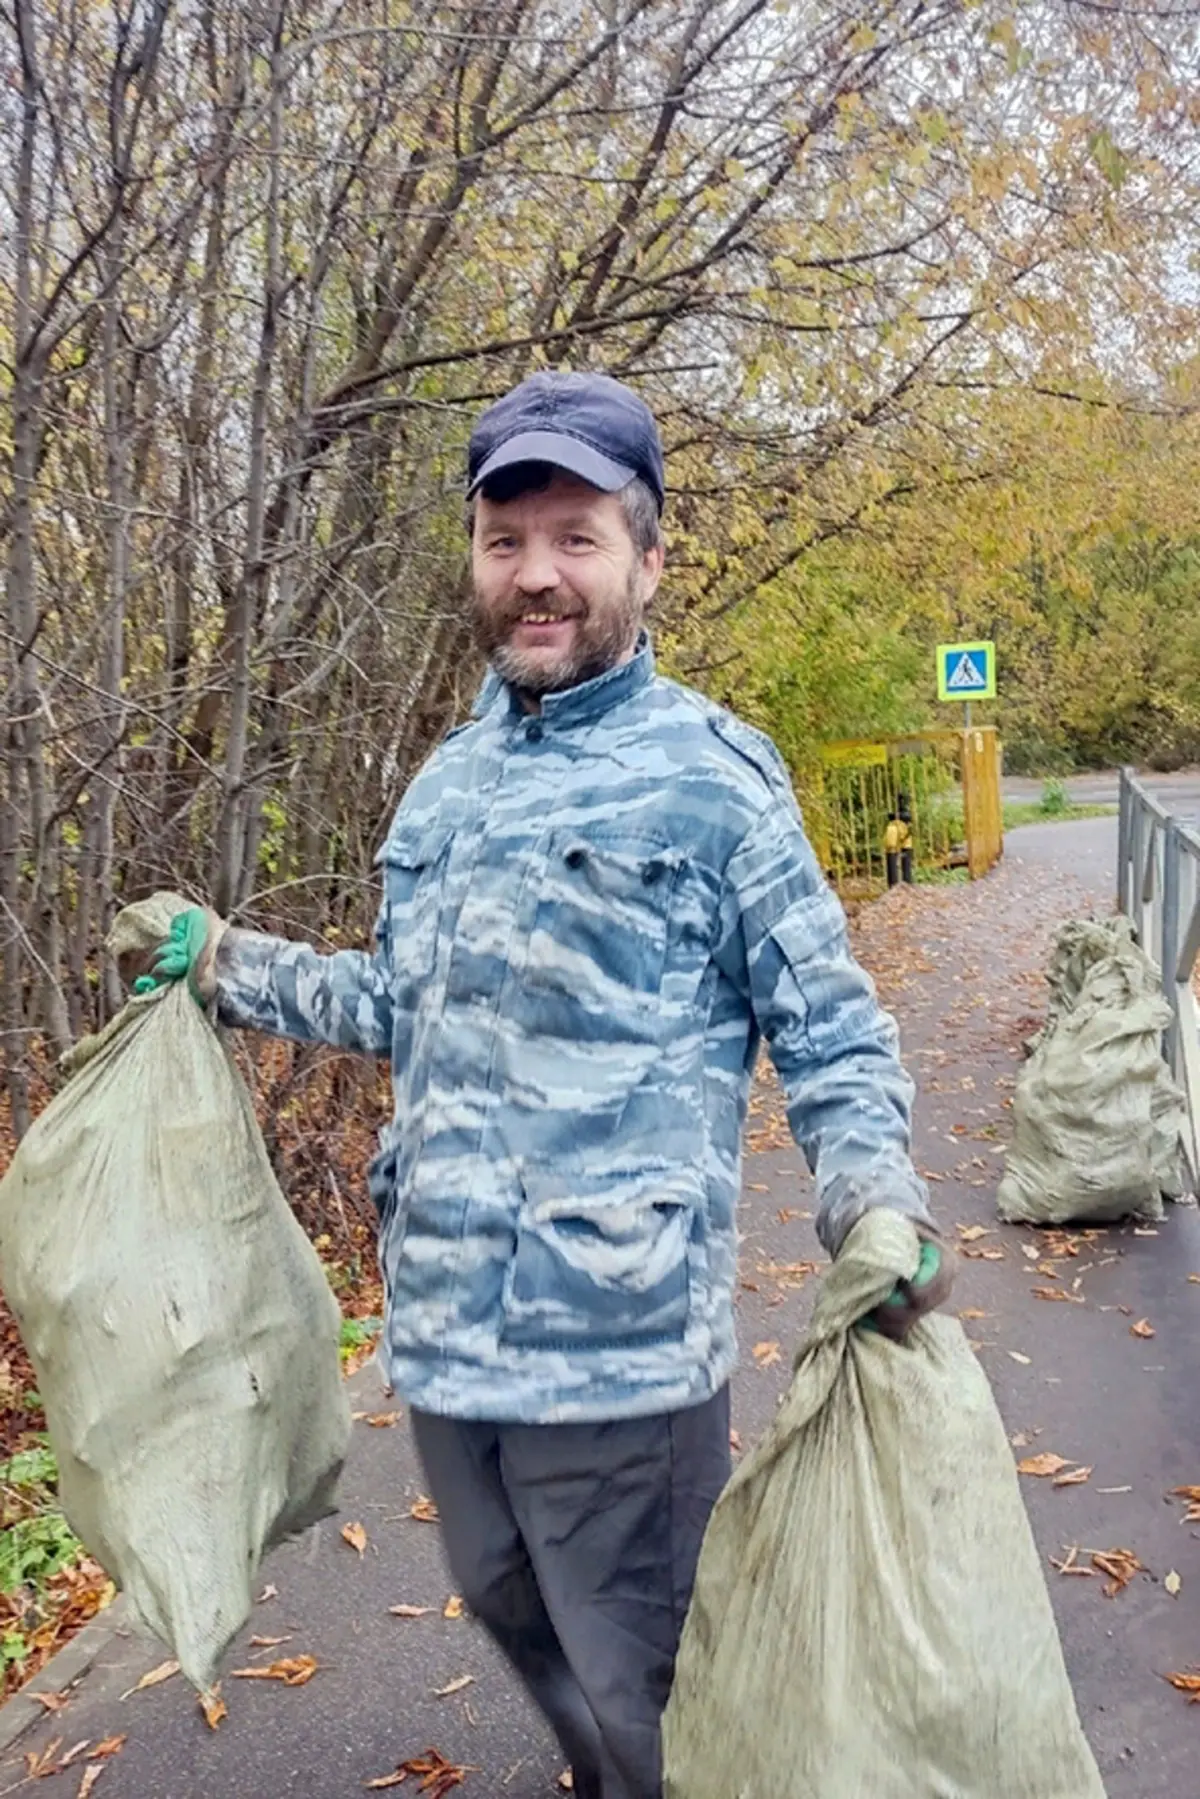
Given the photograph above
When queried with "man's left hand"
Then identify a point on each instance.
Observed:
(910, 1300)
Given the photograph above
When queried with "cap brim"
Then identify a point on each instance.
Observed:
(561, 451)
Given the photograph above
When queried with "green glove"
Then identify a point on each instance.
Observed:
(910, 1300)
(176, 959)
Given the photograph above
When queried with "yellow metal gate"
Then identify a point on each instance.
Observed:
(945, 784)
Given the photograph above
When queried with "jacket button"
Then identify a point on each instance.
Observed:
(575, 858)
(534, 732)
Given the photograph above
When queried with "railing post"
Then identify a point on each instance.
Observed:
(1171, 944)
(1124, 809)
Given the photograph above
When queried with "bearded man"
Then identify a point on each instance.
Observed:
(598, 899)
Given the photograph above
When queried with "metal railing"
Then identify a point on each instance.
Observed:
(1158, 889)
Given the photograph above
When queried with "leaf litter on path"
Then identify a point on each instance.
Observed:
(435, 1775)
(292, 1670)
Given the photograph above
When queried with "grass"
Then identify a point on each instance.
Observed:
(1033, 812)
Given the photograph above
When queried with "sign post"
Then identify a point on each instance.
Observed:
(966, 671)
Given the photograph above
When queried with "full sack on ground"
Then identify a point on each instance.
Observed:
(870, 1619)
(183, 1333)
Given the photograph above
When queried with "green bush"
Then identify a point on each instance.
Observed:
(1054, 800)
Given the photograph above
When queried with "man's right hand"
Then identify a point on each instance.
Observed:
(187, 955)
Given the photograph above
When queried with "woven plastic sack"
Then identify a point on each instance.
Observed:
(870, 1619)
(183, 1333)
(1097, 1116)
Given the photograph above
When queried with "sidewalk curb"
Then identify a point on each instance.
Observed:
(64, 1669)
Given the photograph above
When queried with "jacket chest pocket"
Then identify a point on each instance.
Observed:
(414, 865)
(600, 934)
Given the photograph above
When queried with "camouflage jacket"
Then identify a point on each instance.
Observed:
(589, 919)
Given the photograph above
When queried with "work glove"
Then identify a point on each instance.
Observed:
(909, 1300)
(188, 954)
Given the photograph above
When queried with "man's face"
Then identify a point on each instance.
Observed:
(560, 590)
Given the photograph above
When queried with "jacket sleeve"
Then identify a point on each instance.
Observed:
(783, 943)
(291, 990)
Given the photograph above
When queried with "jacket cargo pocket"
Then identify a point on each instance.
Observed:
(600, 934)
(602, 1257)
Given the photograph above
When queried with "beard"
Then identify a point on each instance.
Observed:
(604, 634)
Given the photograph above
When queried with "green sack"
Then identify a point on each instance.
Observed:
(870, 1619)
(183, 1333)
(1097, 1117)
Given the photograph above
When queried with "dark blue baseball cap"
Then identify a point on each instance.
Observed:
(589, 425)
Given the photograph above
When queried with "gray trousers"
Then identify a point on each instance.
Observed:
(576, 1546)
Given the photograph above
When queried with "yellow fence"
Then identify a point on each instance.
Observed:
(945, 785)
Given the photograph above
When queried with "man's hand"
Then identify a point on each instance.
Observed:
(187, 955)
(910, 1300)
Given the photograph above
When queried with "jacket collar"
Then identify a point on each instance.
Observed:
(576, 705)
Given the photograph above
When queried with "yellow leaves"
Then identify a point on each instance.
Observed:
(454, 1607)
(1192, 1495)
(1075, 1478)
(455, 1686)
(424, 1510)
(1120, 1565)
(1143, 1328)
(1043, 1466)
(1185, 1683)
(1173, 1584)
(293, 1671)
(213, 1706)
(766, 1354)
(356, 1536)
(411, 1611)
(155, 1678)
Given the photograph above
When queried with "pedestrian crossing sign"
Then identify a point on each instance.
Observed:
(966, 671)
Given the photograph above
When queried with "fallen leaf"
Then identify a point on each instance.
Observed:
(268, 1642)
(53, 1702)
(566, 1781)
(155, 1678)
(1195, 1279)
(1018, 1357)
(424, 1510)
(454, 1607)
(1173, 1583)
(1143, 1328)
(1120, 1565)
(1043, 1465)
(456, 1686)
(983, 1255)
(438, 1776)
(1114, 1489)
(974, 1312)
(766, 1354)
(269, 1592)
(293, 1671)
(1070, 1566)
(356, 1536)
(971, 1233)
(213, 1706)
(1030, 1251)
(735, 1442)
(1075, 1478)
(411, 1611)
(74, 1754)
(1060, 1293)
(383, 1420)
(786, 1214)
(757, 1187)
(1192, 1495)
(109, 1747)
(1186, 1683)
(90, 1777)
(39, 1764)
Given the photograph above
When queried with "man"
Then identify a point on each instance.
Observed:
(597, 897)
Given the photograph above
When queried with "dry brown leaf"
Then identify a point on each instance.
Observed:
(566, 1781)
(971, 1233)
(213, 1706)
(1194, 1279)
(411, 1611)
(423, 1510)
(53, 1702)
(456, 1686)
(155, 1678)
(1143, 1328)
(381, 1420)
(293, 1671)
(1192, 1495)
(1059, 1293)
(1044, 1465)
(1186, 1683)
(40, 1763)
(1030, 1251)
(74, 1754)
(974, 1312)
(1174, 1584)
(1018, 1357)
(356, 1536)
(90, 1777)
(1075, 1478)
(437, 1776)
(454, 1607)
(766, 1354)
(268, 1642)
(1070, 1566)
(735, 1442)
(109, 1747)
(1120, 1565)
(983, 1255)
(268, 1592)
(757, 1187)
